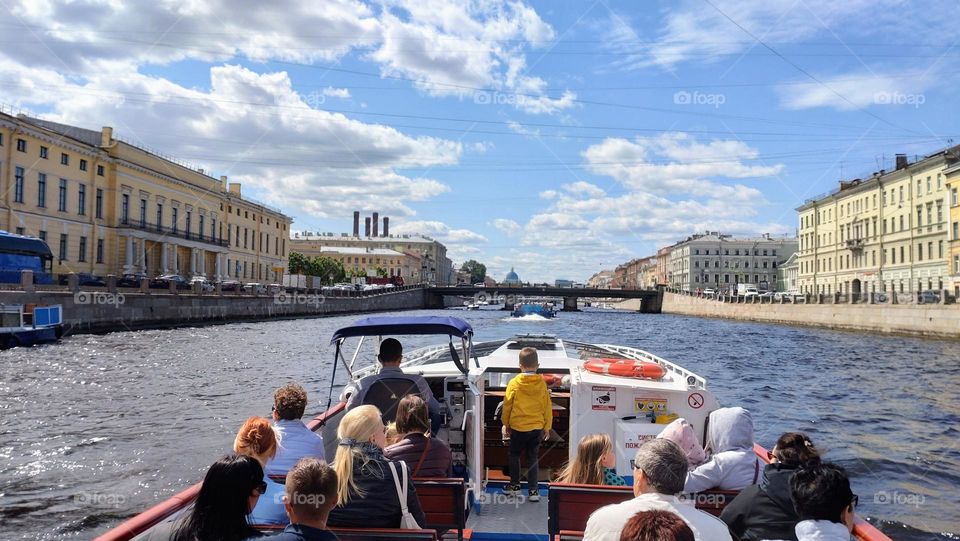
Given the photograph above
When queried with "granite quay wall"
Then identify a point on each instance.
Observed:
(96, 310)
(901, 315)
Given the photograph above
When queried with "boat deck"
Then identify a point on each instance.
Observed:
(501, 516)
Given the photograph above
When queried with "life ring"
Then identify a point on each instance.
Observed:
(551, 379)
(627, 368)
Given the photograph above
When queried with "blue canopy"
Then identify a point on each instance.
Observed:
(392, 326)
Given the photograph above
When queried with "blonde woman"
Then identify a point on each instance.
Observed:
(595, 463)
(366, 492)
(256, 439)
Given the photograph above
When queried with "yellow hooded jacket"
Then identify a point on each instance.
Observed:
(527, 405)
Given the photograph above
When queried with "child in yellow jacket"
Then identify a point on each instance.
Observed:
(527, 417)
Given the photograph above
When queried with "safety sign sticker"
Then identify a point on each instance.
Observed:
(604, 398)
(695, 400)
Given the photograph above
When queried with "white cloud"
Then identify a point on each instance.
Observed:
(509, 227)
(548, 194)
(342, 93)
(460, 243)
(861, 89)
(583, 188)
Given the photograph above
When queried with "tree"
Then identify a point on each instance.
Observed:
(298, 263)
(476, 270)
(381, 272)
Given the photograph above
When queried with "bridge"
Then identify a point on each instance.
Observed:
(651, 300)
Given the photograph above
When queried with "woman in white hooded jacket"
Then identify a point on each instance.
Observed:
(732, 465)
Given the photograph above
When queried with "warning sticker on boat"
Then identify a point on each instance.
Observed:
(604, 398)
(654, 405)
(695, 400)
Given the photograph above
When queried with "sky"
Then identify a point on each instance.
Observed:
(556, 137)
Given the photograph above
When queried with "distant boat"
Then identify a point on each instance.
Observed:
(541, 310)
(26, 325)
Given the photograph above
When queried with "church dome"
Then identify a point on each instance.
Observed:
(511, 277)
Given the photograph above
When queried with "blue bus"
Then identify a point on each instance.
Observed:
(18, 253)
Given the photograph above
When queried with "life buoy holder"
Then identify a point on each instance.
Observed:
(627, 368)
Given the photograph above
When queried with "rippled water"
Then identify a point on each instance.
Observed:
(97, 428)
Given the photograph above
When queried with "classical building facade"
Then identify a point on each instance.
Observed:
(788, 274)
(889, 232)
(108, 207)
(369, 260)
(952, 175)
(722, 261)
(639, 273)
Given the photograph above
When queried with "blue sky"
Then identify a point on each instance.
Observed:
(557, 137)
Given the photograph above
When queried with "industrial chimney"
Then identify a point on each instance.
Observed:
(376, 223)
(901, 161)
(356, 223)
(386, 226)
(366, 226)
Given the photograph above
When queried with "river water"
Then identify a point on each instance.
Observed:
(97, 428)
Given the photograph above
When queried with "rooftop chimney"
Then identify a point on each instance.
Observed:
(376, 223)
(223, 183)
(366, 226)
(106, 136)
(356, 223)
(386, 226)
(901, 161)
(235, 188)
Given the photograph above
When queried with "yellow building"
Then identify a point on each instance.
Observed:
(108, 207)
(366, 260)
(952, 175)
(885, 233)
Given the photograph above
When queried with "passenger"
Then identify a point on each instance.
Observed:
(257, 439)
(310, 493)
(527, 417)
(428, 456)
(367, 496)
(659, 469)
(595, 463)
(681, 432)
(765, 511)
(295, 439)
(824, 503)
(391, 353)
(656, 526)
(392, 436)
(231, 488)
(733, 465)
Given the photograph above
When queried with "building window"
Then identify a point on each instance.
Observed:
(19, 231)
(213, 228)
(187, 224)
(82, 256)
(64, 158)
(200, 227)
(919, 215)
(902, 252)
(41, 190)
(21, 145)
(920, 252)
(953, 197)
(82, 199)
(159, 217)
(956, 230)
(125, 209)
(99, 170)
(99, 250)
(939, 211)
(143, 213)
(18, 185)
(236, 237)
(99, 203)
(44, 152)
(940, 249)
(63, 246)
(43, 236)
(173, 219)
(929, 186)
(901, 223)
(83, 165)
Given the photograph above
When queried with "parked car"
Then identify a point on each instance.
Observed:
(929, 297)
(254, 287)
(164, 281)
(130, 280)
(275, 288)
(479, 284)
(372, 287)
(230, 285)
(766, 295)
(84, 279)
(205, 285)
(709, 292)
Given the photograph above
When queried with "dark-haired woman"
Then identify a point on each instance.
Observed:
(230, 491)
(765, 510)
(426, 456)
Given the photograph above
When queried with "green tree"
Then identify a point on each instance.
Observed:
(477, 271)
(381, 272)
(298, 263)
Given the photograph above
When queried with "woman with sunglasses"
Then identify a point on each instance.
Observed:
(256, 439)
(824, 502)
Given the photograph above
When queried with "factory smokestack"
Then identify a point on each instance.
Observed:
(386, 226)
(376, 223)
(356, 223)
(366, 227)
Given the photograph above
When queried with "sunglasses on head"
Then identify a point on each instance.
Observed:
(262, 488)
(854, 501)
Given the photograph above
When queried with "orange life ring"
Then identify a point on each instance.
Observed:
(551, 379)
(627, 368)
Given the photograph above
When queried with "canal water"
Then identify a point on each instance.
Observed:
(97, 428)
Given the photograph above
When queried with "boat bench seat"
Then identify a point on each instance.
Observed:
(570, 505)
(363, 534)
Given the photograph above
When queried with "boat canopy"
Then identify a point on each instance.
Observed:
(391, 326)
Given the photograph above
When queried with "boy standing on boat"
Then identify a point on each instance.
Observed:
(527, 418)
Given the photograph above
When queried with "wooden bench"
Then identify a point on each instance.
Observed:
(569, 505)
(444, 503)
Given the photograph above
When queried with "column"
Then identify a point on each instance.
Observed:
(193, 261)
(219, 265)
(165, 257)
(202, 262)
(128, 260)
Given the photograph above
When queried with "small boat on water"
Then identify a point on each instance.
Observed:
(592, 391)
(27, 325)
(534, 309)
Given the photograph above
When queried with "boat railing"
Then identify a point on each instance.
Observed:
(692, 380)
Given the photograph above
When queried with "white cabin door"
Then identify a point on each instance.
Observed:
(473, 421)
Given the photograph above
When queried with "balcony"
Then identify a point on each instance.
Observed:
(170, 232)
(854, 244)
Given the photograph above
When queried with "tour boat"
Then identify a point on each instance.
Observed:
(593, 390)
(531, 309)
(27, 325)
